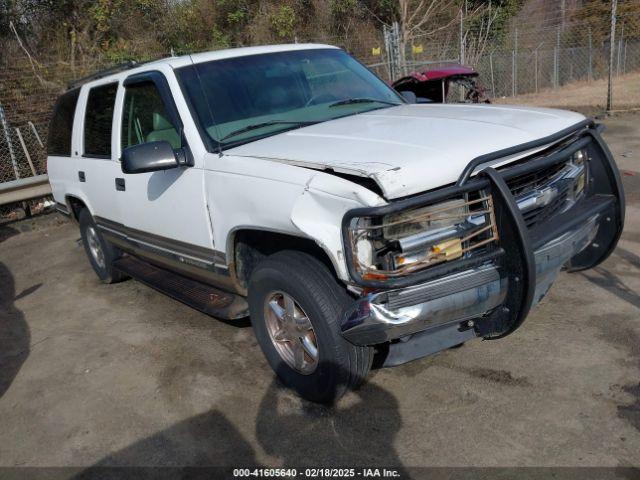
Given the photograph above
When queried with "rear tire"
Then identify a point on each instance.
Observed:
(101, 253)
(318, 303)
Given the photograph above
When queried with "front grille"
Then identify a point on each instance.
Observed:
(537, 180)
(537, 215)
(528, 182)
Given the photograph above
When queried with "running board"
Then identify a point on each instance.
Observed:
(207, 299)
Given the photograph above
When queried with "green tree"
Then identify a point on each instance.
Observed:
(283, 21)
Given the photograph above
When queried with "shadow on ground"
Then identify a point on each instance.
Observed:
(605, 278)
(208, 439)
(15, 336)
(359, 431)
(7, 232)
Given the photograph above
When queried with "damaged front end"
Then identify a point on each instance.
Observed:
(470, 260)
(399, 244)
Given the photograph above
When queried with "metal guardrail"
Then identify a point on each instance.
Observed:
(24, 189)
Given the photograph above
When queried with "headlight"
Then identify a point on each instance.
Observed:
(445, 214)
(401, 243)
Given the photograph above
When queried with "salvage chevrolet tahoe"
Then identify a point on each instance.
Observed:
(291, 184)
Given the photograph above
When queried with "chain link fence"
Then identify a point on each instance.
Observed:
(538, 62)
(22, 152)
(22, 155)
(551, 62)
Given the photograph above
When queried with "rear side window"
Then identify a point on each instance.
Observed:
(61, 126)
(97, 121)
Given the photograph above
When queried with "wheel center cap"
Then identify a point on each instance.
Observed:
(291, 326)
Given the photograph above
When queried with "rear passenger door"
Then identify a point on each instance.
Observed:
(97, 165)
(164, 211)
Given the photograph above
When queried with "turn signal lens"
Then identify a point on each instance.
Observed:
(374, 276)
(447, 250)
(451, 249)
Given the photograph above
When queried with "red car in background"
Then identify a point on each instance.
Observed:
(438, 85)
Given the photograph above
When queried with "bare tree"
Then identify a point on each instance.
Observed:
(423, 18)
(475, 39)
(35, 65)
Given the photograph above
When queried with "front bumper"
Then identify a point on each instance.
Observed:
(491, 297)
(384, 316)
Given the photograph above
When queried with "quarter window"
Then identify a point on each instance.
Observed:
(61, 126)
(98, 119)
(145, 117)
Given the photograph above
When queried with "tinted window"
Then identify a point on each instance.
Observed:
(297, 86)
(144, 118)
(97, 121)
(61, 126)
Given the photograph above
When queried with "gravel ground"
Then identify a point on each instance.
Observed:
(93, 374)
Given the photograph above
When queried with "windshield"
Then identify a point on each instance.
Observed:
(242, 99)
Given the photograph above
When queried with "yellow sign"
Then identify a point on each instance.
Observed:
(375, 51)
(417, 48)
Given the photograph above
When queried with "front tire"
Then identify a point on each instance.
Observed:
(296, 307)
(100, 252)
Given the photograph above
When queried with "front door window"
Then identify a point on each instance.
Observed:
(145, 118)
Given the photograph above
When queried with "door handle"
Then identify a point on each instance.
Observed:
(120, 184)
(82, 177)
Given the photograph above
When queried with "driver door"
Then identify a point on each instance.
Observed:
(164, 212)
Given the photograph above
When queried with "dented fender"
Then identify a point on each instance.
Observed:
(319, 210)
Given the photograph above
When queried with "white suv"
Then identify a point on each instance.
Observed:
(292, 184)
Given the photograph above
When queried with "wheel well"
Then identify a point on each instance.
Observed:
(76, 206)
(251, 246)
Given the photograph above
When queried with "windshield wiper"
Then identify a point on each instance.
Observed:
(351, 101)
(256, 126)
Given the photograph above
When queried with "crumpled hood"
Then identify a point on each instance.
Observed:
(410, 148)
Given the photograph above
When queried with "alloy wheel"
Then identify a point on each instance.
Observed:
(291, 332)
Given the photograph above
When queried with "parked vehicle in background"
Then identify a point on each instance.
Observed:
(290, 183)
(451, 84)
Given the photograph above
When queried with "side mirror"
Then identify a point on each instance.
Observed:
(149, 157)
(409, 96)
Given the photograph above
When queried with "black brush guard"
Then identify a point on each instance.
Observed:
(515, 255)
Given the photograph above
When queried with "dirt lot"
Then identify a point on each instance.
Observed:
(589, 97)
(122, 375)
